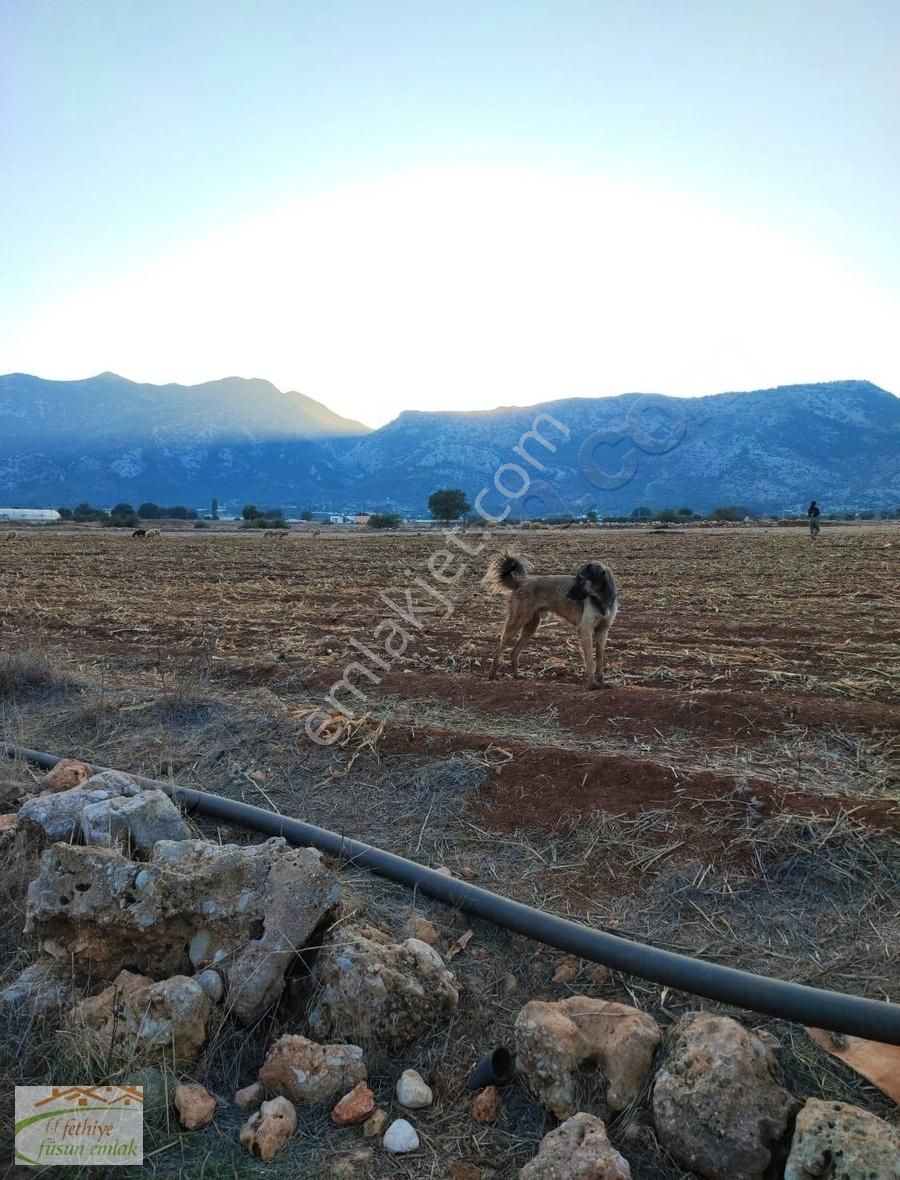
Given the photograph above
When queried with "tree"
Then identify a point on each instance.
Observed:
(448, 504)
(591, 515)
(214, 514)
(306, 514)
(251, 512)
(123, 516)
(667, 515)
(642, 513)
(685, 512)
(149, 511)
(384, 520)
(65, 513)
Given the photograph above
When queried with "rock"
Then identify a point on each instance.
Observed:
(718, 1103)
(194, 904)
(114, 782)
(305, 1071)
(837, 1141)
(211, 982)
(412, 1090)
(267, 1131)
(486, 1105)
(67, 773)
(354, 1108)
(369, 986)
(375, 1123)
(9, 821)
(134, 1015)
(553, 1041)
(567, 971)
(195, 1105)
(136, 822)
(42, 988)
(48, 818)
(250, 1097)
(577, 1150)
(400, 1137)
(420, 928)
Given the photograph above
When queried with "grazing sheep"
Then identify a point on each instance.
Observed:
(12, 535)
(140, 533)
(317, 532)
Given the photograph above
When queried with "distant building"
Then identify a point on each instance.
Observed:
(30, 515)
(336, 518)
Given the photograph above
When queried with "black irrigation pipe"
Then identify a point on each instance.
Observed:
(876, 1020)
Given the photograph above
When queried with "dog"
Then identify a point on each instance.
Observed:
(589, 601)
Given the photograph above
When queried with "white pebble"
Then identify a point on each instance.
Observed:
(412, 1091)
(400, 1137)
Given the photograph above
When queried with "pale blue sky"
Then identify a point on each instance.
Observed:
(394, 205)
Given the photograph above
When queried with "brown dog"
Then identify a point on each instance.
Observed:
(589, 601)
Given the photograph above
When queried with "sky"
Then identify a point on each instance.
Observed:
(420, 205)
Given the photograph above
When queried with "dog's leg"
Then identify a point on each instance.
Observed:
(586, 639)
(600, 636)
(524, 635)
(505, 637)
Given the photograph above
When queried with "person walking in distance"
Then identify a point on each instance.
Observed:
(813, 513)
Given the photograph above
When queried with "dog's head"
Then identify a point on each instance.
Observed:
(594, 580)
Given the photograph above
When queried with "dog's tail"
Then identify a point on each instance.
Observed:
(505, 573)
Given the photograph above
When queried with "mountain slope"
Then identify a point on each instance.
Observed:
(106, 439)
(769, 450)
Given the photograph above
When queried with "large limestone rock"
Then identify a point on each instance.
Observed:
(40, 990)
(135, 1016)
(718, 1103)
(305, 1071)
(136, 822)
(369, 986)
(554, 1040)
(54, 816)
(835, 1141)
(194, 904)
(577, 1150)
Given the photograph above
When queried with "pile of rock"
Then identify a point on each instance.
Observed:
(719, 1107)
(164, 928)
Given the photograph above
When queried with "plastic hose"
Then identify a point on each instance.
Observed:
(875, 1020)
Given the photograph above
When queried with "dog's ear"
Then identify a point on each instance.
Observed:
(599, 576)
(579, 590)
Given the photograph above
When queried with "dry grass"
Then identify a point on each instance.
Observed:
(435, 769)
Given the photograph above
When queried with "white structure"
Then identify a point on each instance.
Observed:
(30, 515)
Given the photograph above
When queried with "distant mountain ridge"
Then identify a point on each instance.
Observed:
(106, 439)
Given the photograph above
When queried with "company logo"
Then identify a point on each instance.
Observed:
(80, 1126)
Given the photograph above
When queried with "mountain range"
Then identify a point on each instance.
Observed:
(106, 439)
